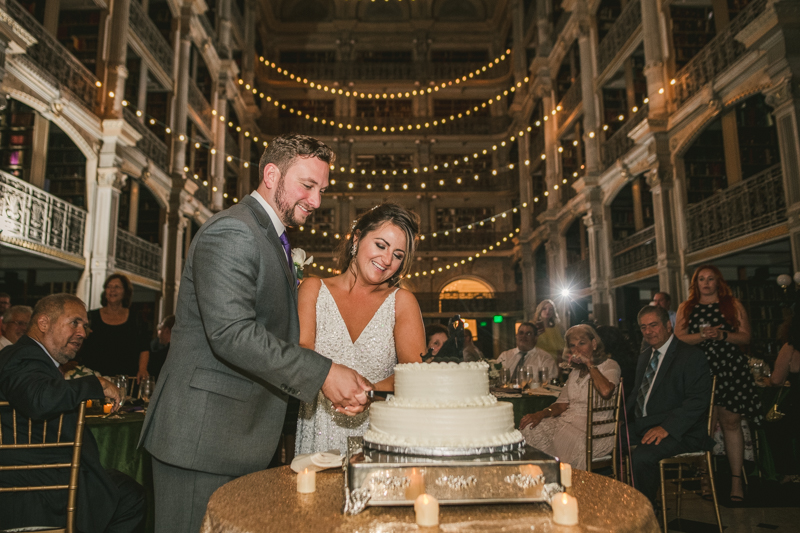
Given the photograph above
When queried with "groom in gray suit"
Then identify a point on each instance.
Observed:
(220, 401)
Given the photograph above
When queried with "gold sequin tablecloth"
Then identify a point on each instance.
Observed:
(267, 501)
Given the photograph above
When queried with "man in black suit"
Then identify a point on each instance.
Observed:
(670, 400)
(31, 382)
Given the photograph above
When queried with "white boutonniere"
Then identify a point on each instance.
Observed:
(300, 261)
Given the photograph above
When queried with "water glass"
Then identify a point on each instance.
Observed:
(146, 388)
(703, 328)
(544, 374)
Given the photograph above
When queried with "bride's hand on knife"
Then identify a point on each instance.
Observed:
(345, 388)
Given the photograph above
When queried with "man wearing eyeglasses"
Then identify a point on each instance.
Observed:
(15, 324)
(526, 354)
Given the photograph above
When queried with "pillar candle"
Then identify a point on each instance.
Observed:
(565, 509)
(88, 404)
(107, 407)
(416, 485)
(426, 508)
(566, 474)
(306, 481)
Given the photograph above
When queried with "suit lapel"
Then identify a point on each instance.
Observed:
(641, 366)
(663, 370)
(269, 231)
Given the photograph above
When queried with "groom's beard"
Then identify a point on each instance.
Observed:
(287, 210)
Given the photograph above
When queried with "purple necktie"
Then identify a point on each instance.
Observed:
(287, 248)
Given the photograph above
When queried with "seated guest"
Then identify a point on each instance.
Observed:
(31, 382)
(670, 400)
(435, 337)
(560, 430)
(160, 345)
(551, 334)
(526, 354)
(15, 324)
(471, 352)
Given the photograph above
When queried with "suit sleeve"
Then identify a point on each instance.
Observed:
(225, 267)
(697, 386)
(32, 388)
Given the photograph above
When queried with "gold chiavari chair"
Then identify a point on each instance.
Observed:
(604, 428)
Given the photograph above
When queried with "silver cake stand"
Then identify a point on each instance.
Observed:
(378, 475)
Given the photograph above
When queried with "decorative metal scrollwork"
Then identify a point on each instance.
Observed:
(457, 482)
(524, 481)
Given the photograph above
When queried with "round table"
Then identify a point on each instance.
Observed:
(525, 403)
(268, 501)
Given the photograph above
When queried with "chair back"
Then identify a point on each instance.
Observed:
(603, 428)
(25, 431)
(711, 405)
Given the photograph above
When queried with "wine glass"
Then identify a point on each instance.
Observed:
(146, 389)
(121, 382)
(544, 374)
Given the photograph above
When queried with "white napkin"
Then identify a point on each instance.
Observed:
(317, 461)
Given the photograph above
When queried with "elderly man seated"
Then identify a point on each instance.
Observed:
(526, 354)
(15, 324)
(31, 382)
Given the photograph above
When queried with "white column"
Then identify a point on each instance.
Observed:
(105, 216)
(117, 71)
(654, 67)
(591, 139)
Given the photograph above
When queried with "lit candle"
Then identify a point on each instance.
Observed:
(565, 509)
(426, 508)
(306, 481)
(88, 404)
(107, 407)
(566, 474)
(416, 485)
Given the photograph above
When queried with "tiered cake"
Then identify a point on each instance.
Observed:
(442, 405)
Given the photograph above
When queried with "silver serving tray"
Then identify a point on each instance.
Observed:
(382, 477)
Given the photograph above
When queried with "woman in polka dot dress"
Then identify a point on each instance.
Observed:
(714, 320)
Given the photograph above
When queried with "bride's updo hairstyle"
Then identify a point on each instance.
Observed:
(375, 218)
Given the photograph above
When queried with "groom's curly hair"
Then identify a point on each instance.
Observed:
(284, 149)
(374, 218)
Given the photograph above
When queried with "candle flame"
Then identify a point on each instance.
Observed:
(305, 471)
(425, 499)
(564, 498)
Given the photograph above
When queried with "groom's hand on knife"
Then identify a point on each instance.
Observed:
(345, 388)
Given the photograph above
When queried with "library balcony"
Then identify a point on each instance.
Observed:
(620, 38)
(752, 205)
(199, 106)
(454, 241)
(150, 145)
(139, 257)
(149, 42)
(719, 54)
(634, 253)
(469, 303)
(570, 103)
(36, 221)
(51, 61)
(384, 71)
(618, 144)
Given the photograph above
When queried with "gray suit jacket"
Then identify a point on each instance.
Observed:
(220, 399)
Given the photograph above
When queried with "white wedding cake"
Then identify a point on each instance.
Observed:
(442, 405)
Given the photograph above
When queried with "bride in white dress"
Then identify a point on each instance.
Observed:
(361, 319)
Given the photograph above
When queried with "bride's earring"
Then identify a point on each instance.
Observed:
(354, 250)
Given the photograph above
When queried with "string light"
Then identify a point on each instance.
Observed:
(369, 95)
(470, 258)
(386, 129)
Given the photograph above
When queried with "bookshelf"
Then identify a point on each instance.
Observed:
(78, 32)
(758, 137)
(705, 164)
(607, 14)
(158, 108)
(454, 217)
(16, 139)
(692, 28)
(764, 302)
(65, 175)
(614, 104)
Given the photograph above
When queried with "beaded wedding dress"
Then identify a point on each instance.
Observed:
(319, 427)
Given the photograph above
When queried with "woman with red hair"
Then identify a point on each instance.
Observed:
(714, 320)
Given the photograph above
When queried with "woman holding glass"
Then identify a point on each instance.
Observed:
(560, 430)
(714, 320)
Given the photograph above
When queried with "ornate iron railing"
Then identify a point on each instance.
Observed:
(465, 126)
(138, 256)
(572, 98)
(147, 31)
(498, 302)
(618, 144)
(618, 35)
(753, 204)
(38, 218)
(54, 60)
(721, 52)
(578, 273)
(198, 102)
(635, 252)
(338, 71)
(149, 144)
